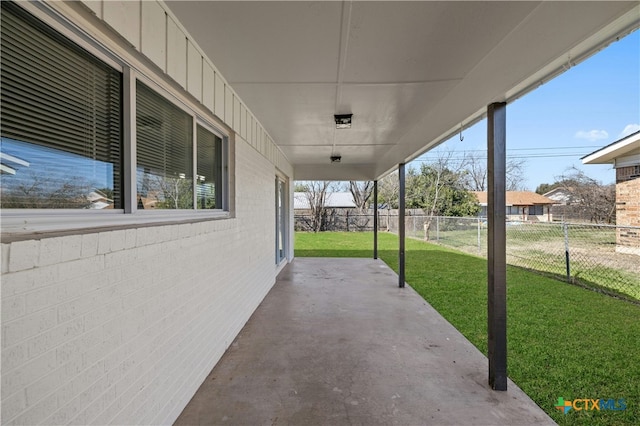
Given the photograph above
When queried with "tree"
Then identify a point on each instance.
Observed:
(170, 192)
(389, 190)
(596, 201)
(317, 195)
(543, 188)
(361, 192)
(44, 189)
(476, 178)
(515, 174)
(439, 190)
(300, 187)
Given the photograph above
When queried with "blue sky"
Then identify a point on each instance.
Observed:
(587, 107)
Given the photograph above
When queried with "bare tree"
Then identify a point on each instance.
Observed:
(171, 192)
(361, 192)
(595, 200)
(515, 174)
(317, 195)
(475, 165)
(39, 190)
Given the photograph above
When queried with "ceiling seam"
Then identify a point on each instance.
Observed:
(345, 26)
(346, 83)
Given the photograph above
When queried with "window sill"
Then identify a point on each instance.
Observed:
(21, 225)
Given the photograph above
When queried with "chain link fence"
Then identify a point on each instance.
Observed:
(605, 258)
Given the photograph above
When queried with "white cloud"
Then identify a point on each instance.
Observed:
(592, 135)
(629, 129)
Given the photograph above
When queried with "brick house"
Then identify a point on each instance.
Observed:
(193, 119)
(624, 155)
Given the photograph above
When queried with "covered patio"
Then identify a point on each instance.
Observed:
(354, 90)
(116, 316)
(337, 342)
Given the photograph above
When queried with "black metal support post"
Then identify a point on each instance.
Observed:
(497, 272)
(401, 208)
(567, 261)
(375, 219)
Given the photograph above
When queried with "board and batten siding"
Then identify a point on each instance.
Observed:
(122, 326)
(152, 30)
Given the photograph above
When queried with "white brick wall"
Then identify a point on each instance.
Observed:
(121, 327)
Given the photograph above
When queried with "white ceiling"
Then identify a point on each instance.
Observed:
(409, 72)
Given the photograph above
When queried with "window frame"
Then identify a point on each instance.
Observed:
(29, 221)
(282, 218)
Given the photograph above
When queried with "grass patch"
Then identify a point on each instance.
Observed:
(563, 341)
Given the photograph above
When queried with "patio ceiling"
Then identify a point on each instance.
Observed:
(411, 73)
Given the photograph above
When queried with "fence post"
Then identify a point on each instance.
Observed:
(479, 251)
(566, 250)
(437, 228)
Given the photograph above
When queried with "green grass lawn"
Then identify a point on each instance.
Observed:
(563, 340)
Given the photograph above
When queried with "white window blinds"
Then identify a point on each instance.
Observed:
(61, 120)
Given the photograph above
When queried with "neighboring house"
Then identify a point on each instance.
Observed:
(560, 196)
(567, 205)
(624, 155)
(521, 206)
(335, 215)
(333, 200)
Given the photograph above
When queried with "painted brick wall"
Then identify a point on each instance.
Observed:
(628, 213)
(122, 327)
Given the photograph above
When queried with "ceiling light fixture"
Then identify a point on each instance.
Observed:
(343, 121)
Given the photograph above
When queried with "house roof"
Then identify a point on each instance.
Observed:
(517, 198)
(559, 195)
(627, 147)
(336, 200)
(412, 73)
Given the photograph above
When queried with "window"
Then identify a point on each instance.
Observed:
(281, 220)
(164, 153)
(61, 121)
(209, 181)
(536, 210)
(62, 133)
(513, 210)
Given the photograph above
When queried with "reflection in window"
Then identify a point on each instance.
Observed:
(61, 120)
(209, 176)
(164, 141)
(34, 176)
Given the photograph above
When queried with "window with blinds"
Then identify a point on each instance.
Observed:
(164, 143)
(62, 144)
(209, 176)
(61, 131)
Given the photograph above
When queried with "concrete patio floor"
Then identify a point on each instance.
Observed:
(336, 342)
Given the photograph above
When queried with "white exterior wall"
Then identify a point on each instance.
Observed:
(121, 327)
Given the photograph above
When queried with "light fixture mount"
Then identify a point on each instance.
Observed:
(336, 158)
(343, 121)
